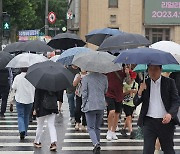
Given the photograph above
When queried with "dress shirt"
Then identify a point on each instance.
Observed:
(156, 107)
(24, 89)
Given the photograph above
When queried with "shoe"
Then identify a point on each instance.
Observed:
(157, 152)
(2, 115)
(37, 145)
(97, 149)
(132, 135)
(72, 120)
(117, 129)
(83, 128)
(22, 135)
(109, 135)
(77, 126)
(114, 137)
(123, 132)
(53, 146)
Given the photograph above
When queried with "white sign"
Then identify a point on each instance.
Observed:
(69, 15)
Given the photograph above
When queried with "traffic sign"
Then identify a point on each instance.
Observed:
(52, 17)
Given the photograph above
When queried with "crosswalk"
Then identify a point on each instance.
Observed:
(77, 141)
(9, 135)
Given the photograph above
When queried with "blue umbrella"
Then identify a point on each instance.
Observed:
(97, 36)
(67, 56)
(145, 56)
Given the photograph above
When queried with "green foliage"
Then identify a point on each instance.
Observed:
(30, 14)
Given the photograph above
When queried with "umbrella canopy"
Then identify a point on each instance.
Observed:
(67, 56)
(65, 41)
(5, 57)
(168, 46)
(49, 76)
(145, 56)
(123, 41)
(97, 36)
(13, 47)
(54, 58)
(165, 68)
(96, 62)
(25, 60)
(35, 46)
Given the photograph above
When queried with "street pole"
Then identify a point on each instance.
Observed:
(1, 23)
(46, 18)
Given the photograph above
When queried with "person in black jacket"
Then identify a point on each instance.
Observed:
(43, 114)
(158, 116)
(5, 83)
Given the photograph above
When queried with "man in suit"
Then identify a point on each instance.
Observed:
(158, 116)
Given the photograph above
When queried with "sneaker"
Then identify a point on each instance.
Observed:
(22, 135)
(157, 152)
(123, 132)
(72, 120)
(37, 145)
(77, 126)
(132, 135)
(97, 149)
(83, 128)
(53, 146)
(117, 129)
(109, 135)
(114, 137)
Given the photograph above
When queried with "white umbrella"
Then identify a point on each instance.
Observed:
(96, 61)
(168, 46)
(25, 60)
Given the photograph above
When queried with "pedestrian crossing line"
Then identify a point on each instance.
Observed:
(105, 123)
(15, 144)
(17, 152)
(102, 134)
(107, 148)
(11, 126)
(15, 131)
(15, 137)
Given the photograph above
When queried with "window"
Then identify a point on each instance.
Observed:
(113, 19)
(157, 34)
(113, 3)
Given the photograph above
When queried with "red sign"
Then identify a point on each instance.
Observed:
(52, 17)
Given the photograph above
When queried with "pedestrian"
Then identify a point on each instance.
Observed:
(45, 108)
(24, 97)
(71, 94)
(130, 89)
(78, 94)
(94, 87)
(6, 78)
(114, 98)
(158, 116)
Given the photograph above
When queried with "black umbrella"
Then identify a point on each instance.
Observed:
(5, 57)
(13, 47)
(35, 46)
(65, 41)
(49, 76)
(124, 41)
(97, 36)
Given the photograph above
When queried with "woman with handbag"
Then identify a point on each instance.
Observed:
(78, 93)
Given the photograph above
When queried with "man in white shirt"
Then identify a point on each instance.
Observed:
(158, 117)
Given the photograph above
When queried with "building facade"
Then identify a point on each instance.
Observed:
(157, 20)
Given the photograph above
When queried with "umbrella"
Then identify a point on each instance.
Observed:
(49, 76)
(64, 41)
(96, 62)
(168, 46)
(13, 47)
(67, 56)
(97, 36)
(123, 41)
(145, 56)
(5, 57)
(35, 46)
(165, 68)
(54, 58)
(25, 60)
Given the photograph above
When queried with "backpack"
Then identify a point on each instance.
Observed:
(50, 100)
